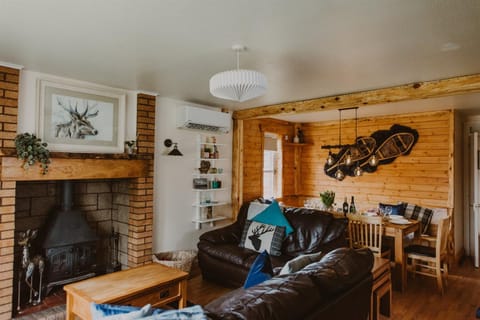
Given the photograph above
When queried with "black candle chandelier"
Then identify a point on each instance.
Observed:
(349, 154)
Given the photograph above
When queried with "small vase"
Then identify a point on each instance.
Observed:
(327, 208)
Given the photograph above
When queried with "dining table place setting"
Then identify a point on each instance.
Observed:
(398, 220)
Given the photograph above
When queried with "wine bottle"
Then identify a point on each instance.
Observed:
(352, 206)
(345, 206)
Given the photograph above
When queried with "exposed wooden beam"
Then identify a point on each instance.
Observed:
(412, 91)
(237, 167)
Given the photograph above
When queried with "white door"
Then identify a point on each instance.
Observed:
(474, 201)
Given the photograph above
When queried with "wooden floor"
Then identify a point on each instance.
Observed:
(420, 301)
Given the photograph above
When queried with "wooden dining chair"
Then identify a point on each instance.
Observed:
(431, 261)
(367, 232)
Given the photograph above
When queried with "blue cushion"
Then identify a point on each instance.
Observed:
(397, 209)
(273, 215)
(260, 270)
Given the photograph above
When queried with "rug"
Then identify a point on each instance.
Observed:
(53, 313)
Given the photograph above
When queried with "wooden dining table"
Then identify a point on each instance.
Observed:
(398, 232)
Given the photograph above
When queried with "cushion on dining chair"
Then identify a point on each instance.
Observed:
(424, 215)
(419, 249)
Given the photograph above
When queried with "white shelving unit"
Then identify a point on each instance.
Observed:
(208, 200)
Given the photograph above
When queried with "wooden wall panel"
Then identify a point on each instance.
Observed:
(424, 177)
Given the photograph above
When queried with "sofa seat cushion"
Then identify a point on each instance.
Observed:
(340, 269)
(310, 229)
(232, 254)
(286, 297)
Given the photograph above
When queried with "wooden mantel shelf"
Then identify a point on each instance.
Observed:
(73, 169)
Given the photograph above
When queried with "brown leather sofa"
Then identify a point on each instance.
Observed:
(223, 261)
(336, 287)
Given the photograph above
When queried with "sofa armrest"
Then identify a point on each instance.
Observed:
(225, 235)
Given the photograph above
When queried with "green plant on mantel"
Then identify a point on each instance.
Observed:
(31, 149)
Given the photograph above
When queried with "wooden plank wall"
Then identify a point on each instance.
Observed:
(253, 133)
(425, 177)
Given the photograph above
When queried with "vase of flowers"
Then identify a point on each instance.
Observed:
(328, 198)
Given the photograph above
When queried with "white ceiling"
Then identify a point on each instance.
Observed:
(306, 48)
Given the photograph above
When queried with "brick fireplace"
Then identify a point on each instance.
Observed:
(137, 184)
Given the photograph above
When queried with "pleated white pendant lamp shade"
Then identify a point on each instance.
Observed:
(238, 85)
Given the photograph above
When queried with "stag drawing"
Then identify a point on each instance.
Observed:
(28, 267)
(257, 232)
(79, 126)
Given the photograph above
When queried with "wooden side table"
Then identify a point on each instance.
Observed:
(153, 283)
(381, 297)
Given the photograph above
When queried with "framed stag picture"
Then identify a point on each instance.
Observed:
(78, 119)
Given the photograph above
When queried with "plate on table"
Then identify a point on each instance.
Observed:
(400, 221)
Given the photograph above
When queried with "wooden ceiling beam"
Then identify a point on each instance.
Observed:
(412, 91)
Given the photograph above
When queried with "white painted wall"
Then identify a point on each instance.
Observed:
(173, 227)
(28, 102)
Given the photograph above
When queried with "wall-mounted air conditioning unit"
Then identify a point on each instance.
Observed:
(195, 118)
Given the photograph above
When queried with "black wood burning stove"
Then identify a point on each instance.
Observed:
(69, 245)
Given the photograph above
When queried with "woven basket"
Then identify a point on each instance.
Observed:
(181, 259)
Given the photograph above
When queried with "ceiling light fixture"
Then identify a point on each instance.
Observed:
(348, 159)
(358, 170)
(240, 84)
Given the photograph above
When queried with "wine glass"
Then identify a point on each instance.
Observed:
(387, 212)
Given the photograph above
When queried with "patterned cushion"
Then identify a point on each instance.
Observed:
(424, 215)
(259, 236)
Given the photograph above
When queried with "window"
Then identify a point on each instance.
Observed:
(272, 166)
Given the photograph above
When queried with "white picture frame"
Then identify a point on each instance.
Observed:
(80, 119)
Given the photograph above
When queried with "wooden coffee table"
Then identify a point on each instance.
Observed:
(153, 283)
